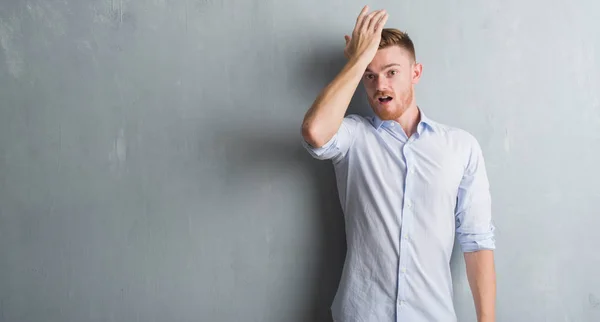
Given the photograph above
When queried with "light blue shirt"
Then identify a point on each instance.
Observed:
(404, 202)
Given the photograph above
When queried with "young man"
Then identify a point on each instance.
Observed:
(408, 185)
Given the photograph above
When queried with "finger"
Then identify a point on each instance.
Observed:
(375, 21)
(362, 13)
(367, 20)
(347, 39)
(382, 22)
(361, 21)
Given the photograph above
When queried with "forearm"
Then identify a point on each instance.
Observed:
(481, 274)
(325, 116)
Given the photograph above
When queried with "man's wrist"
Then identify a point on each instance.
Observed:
(486, 318)
(359, 60)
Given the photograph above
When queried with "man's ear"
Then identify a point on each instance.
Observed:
(417, 71)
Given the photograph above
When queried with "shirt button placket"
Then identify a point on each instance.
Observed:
(407, 213)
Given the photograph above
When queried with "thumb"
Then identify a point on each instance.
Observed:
(347, 39)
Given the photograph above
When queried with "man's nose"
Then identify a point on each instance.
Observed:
(381, 84)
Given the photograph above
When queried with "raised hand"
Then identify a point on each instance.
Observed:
(366, 35)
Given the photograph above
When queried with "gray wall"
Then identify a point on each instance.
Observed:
(151, 168)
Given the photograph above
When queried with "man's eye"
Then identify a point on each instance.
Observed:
(370, 76)
(393, 72)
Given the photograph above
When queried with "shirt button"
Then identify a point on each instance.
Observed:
(412, 171)
(403, 269)
(406, 237)
(408, 204)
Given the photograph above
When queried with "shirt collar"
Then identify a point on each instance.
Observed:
(425, 122)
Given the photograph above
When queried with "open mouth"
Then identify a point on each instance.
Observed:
(384, 99)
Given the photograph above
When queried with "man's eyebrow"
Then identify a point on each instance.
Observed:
(384, 67)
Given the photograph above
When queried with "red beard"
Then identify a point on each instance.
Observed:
(398, 105)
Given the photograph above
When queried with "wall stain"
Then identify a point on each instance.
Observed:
(118, 155)
(9, 32)
(594, 301)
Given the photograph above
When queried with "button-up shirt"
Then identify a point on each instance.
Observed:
(405, 200)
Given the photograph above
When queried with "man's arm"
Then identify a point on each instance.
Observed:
(475, 231)
(325, 116)
(482, 279)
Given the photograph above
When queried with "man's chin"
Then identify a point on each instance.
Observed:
(387, 115)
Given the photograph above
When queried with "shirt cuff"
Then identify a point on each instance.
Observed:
(480, 241)
(319, 152)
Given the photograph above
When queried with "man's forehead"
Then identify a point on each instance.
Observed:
(386, 66)
(388, 57)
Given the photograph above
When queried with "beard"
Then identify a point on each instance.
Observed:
(398, 105)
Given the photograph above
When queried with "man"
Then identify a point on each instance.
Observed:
(408, 186)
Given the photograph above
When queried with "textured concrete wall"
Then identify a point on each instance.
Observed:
(150, 165)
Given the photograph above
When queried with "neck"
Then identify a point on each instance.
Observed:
(409, 120)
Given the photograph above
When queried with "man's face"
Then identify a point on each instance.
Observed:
(389, 81)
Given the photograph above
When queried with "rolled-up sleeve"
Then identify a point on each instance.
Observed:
(474, 226)
(335, 149)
